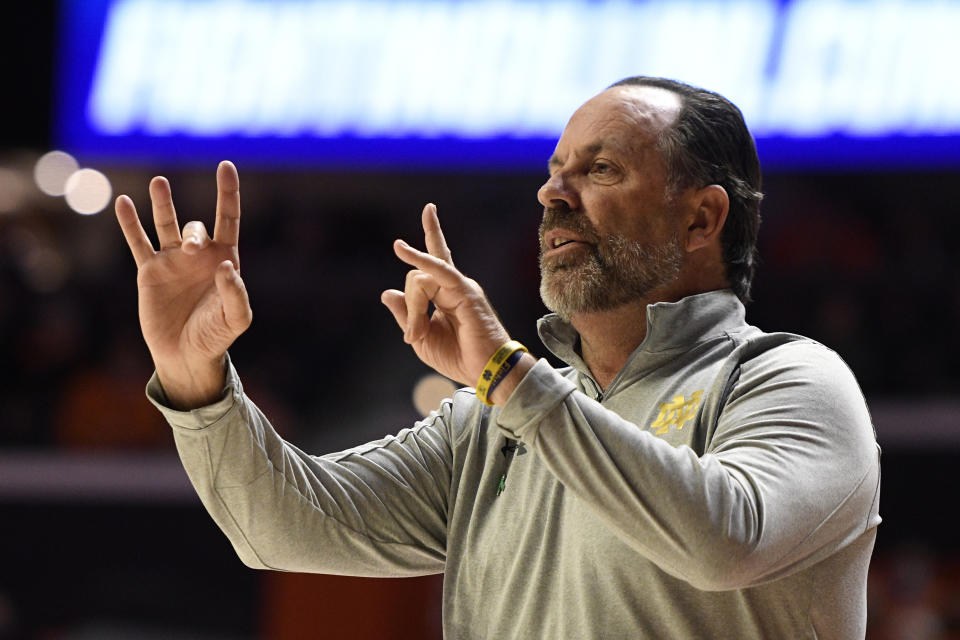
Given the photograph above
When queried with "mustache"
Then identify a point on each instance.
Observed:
(570, 219)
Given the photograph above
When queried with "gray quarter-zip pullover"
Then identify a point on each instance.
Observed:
(725, 485)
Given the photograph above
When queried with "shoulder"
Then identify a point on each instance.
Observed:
(799, 380)
(762, 357)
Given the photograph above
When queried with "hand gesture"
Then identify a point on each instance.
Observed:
(192, 302)
(463, 331)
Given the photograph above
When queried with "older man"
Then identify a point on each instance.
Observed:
(687, 476)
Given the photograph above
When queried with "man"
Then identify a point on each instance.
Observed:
(689, 476)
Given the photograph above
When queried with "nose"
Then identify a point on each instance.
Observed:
(557, 189)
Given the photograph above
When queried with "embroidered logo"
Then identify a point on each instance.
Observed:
(676, 413)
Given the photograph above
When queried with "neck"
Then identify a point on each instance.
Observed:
(607, 338)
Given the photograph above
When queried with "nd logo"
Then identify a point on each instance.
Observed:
(676, 413)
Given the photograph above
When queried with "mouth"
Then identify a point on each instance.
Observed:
(558, 241)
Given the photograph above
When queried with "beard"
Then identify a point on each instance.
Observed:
(613, 271)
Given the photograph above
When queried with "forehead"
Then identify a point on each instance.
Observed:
(627, 118)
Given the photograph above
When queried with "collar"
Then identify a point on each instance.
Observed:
(670, 326)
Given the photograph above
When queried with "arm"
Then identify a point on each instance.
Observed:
(375, 510)
(790, 475)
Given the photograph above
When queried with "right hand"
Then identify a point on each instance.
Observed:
(192, 302)
(463, 331)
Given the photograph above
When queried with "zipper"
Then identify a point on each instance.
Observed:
(616, 380)
(597, 391)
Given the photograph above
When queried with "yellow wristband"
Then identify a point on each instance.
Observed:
(497, 368)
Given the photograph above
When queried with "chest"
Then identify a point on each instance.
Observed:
(678, 403)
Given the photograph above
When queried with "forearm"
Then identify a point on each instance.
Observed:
(283, 509)
(674, 508)
(687, 514)
(718, 520)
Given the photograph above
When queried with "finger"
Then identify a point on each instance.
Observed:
(394, 301)
(445, 273)
(436, 243)
(226, 228)
(419, 291)
(195, 237)
(236, 301)
(133, 231)
(164, 215)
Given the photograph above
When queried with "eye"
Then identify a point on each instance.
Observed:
(601, 168)
(605, 172)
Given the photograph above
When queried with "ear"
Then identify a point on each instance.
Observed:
(711, 205)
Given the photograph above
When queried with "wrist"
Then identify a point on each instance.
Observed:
(193, 385)
(502, 392)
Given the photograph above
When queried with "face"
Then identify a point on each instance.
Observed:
(610, 231)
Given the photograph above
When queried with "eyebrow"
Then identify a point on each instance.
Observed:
(591, 149)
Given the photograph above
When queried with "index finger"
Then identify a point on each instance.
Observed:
(436, 243)
(226, 228)
(443, 271)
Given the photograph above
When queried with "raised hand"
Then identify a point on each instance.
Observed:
(463, 331)
(192, 301)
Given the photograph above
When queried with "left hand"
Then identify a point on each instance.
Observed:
(463, 331)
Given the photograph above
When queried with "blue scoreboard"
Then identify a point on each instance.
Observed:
(450, 84)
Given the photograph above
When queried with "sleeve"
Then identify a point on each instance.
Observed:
(790, 475)
(375, 510)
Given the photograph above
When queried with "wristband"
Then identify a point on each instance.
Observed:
(497, 368)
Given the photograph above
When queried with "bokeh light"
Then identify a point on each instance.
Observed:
(52, 171)
(430, 391)
(88, 191)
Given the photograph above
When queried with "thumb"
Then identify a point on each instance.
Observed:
(395, 302)
(233, 294)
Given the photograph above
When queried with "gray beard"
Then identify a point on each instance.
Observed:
(617, 271)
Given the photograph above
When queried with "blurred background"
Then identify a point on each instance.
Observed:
(344, 118)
